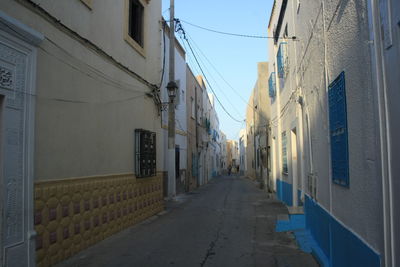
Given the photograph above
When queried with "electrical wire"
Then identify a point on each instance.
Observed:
(163, 68)
(225, 33)
(226, 82)
(205, 77)
(180, 28)
(107, 79)
(212, 77)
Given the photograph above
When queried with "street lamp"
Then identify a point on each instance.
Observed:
(171, 88)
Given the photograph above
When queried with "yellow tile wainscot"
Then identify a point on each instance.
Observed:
(73, 214)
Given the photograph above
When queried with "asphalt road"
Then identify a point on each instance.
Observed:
(229, 222)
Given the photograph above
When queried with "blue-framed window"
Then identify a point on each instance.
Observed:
(338, 131)
(272, 87)
(284, 153)
(282, 60)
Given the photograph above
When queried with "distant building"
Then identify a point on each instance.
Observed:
(250, 136)
(224, 154)
(242, 151)
(194, 105)
(258, 116)
(232, 154)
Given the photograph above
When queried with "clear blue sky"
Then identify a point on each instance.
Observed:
(234, 58)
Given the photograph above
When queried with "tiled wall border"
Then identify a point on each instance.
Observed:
(73, 214)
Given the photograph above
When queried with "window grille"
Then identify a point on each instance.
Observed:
(284, 153)
(272, 86)
(338, 131)
(282, 60)
(145, 153)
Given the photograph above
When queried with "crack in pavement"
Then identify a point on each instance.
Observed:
(210, 250)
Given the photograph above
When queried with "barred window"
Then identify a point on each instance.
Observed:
(272, 87)
(339, 131)
(284, 153)
(145, 153)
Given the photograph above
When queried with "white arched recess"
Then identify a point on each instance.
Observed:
(17, 112)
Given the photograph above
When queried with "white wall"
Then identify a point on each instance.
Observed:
(332, 40)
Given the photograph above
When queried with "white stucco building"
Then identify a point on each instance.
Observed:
(326, 83)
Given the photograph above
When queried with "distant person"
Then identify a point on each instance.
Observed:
(229, 170)
(237, 169)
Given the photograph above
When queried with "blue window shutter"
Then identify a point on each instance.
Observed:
(272, 86)
(338, 131)
(281, 59)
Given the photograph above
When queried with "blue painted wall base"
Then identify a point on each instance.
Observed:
(340, 246)
(319, 233)
(284, 193)
(295, 222)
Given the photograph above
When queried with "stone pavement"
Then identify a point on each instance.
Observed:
(228, 222)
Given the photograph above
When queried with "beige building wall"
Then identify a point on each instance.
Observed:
(250, 171)
(88, 105)
(93, 89)
(194, 102)
(261, 122)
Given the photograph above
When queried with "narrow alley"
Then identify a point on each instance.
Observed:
(139, 133)
(229, 222)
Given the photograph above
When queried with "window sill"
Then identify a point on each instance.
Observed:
(87, 3)
(135, 45)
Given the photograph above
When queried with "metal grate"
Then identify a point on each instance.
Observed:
(284, 153)
(338, 131)
(145, 153)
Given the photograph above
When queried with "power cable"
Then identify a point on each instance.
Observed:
(163, 66)
(205, 77)
(240, 96)
(107, 79)
(179, 28)
(234, 34)
(226, 33)
(212, 77)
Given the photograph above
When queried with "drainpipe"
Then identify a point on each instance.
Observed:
(327, 115)
(387, 193)
(302, 154)
(300, 101)
(311, 157)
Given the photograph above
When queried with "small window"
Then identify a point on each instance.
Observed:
(284, 153)
(193, 107)
(136, 16)
(145, 153)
